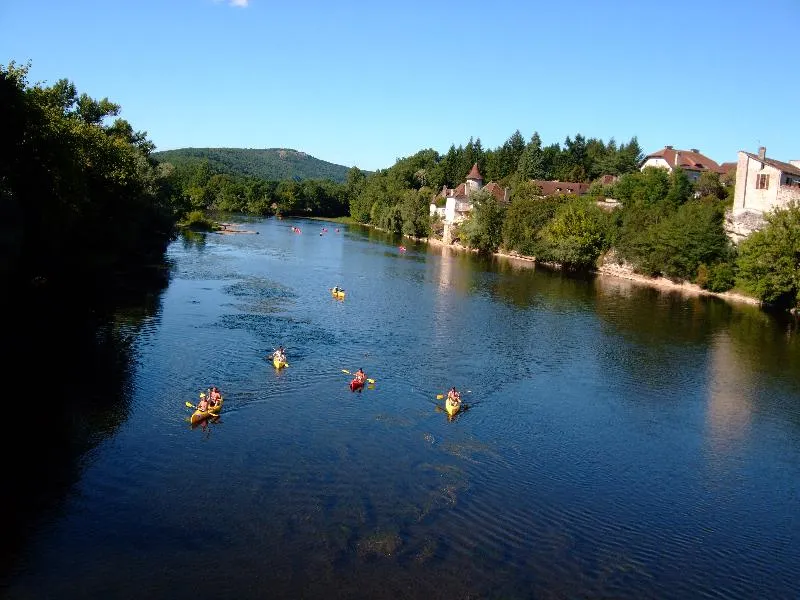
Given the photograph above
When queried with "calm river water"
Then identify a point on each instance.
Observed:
(618, 442)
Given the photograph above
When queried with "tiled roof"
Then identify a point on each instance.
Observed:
(550, 188)
(781, 166)
(727, 167)
(460, 191)
(496, 190)
(690, 160)
(474, 173)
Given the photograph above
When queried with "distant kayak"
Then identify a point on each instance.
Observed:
(356, 385)
(279, 364)
(338, 294)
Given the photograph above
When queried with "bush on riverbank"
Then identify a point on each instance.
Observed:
(769, 260)
(196, 220)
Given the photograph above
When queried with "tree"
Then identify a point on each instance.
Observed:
(769, 259)
(530, 164)
(629, 156)
(691, 236)
(356, 179)
(709, 184)
(575, 236)
(85, 200)
(484, 229)
(415, 212)
(643, 188)
(525, 218)
(680, 188)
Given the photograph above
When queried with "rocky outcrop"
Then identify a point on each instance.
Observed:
(740, 224)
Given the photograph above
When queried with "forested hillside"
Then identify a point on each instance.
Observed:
(269, 164)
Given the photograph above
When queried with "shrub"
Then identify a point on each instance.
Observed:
(196, 220)
(719, 277)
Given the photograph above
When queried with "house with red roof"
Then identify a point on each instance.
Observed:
(554, 187)
(457, 201)
(690, 161)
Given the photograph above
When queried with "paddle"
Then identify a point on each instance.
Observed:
(190, 405)
(349, 373)
(440, 396)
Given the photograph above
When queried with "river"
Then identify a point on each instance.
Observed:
(618, 441)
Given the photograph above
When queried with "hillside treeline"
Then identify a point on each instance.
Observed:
(199, 185)
(270, 164)
(81, 198)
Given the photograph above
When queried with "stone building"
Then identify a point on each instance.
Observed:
(762, 185)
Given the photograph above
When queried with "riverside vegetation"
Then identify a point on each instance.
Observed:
(84, 196)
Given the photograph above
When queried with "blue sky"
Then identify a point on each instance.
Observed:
(366, 82)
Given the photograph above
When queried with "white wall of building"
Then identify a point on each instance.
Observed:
(748, 198)
(657, 162)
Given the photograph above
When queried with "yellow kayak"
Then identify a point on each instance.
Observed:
(279, 364)
(452, 407)
(338, 294)
(202, 415)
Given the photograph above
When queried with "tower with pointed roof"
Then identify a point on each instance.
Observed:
(474, 179)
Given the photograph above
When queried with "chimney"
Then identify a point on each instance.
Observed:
(762, 152)
(677, 158)
(668, 147)
(695, 150)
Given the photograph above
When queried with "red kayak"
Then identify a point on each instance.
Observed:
(356, 385)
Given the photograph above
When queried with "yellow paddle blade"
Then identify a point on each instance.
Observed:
(346, 371)
(439, 396)
(370, 380)
(190, 405)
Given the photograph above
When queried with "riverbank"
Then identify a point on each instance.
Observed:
(622, 271)
(607, 269)
(231, 228)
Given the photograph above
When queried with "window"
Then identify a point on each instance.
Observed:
(762, 182)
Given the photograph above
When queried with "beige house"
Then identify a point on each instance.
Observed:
(458, 204)
(690, 161)
(763, 184)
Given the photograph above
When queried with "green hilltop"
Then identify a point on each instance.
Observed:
(271, 164)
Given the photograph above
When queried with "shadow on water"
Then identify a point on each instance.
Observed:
(78, 351)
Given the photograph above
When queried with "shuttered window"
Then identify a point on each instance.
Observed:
(762, 182)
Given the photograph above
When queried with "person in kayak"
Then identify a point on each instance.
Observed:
(279, 354)
(202, 406)
(216, 397)
(453, 396)
(361, 377)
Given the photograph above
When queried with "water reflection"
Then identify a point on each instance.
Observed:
(193, 239)
(731, 393)
(82, 350)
